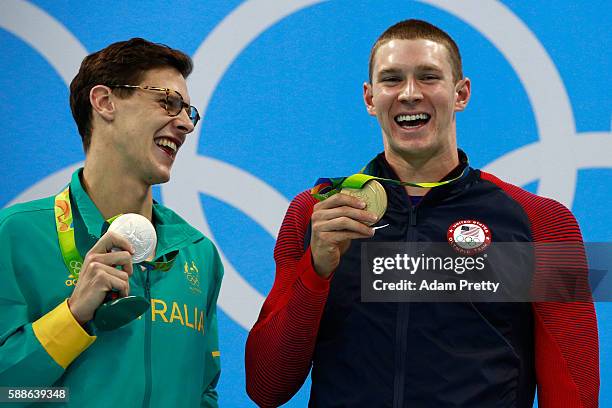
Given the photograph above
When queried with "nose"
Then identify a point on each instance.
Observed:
(411, 92)
(183, 122)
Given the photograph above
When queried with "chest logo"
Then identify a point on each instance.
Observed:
(192, 274)
(468, 237)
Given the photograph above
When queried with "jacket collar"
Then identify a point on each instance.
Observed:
(173, 233)
(379, 167)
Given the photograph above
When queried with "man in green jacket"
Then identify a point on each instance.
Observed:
(131, 106)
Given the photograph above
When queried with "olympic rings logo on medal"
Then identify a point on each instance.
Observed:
(468, 237)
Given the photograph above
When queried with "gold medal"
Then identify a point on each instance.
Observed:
(373, 194)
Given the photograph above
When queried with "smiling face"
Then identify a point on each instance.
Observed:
(143, 137)
(414, 97)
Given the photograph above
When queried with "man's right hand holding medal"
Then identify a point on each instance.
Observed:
(335, 222)
(99, 275)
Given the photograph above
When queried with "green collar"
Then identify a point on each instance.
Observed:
(173, 233)
(87, 210)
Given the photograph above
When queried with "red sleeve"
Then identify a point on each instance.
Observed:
(280, 346)
(566, 341)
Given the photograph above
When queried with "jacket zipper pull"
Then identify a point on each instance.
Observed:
(148, 285)
(413, 216)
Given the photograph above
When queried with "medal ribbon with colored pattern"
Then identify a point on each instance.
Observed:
(327, 187)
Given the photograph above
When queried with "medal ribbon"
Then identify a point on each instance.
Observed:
(70, 254)
(327, 187)
(65, 234)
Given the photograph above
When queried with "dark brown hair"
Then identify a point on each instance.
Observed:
(121, 63)
(415, 30)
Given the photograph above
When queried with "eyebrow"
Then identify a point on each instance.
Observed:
(425, 67)
(387, 71)
(418, 68)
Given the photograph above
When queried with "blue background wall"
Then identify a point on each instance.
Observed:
(279, 85)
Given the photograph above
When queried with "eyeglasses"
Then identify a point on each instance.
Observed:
(173, 103)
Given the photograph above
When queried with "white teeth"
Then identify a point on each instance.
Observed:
(404, 118)
(167, 143)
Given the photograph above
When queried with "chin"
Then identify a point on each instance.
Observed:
(159, 177)
(162, 180)
(411, 146)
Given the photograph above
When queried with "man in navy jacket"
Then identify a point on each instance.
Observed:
(382, 354)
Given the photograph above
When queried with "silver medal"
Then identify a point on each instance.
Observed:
(140, 232)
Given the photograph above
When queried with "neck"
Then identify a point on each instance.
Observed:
(115, 191)
(422, 169)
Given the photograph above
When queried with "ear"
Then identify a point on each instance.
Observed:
(368, 98)
(463, 91)
(101, 101)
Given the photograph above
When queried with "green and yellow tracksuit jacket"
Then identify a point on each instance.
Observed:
(167, 357)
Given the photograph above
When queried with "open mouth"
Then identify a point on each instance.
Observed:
(167, 145)
(412, 121)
